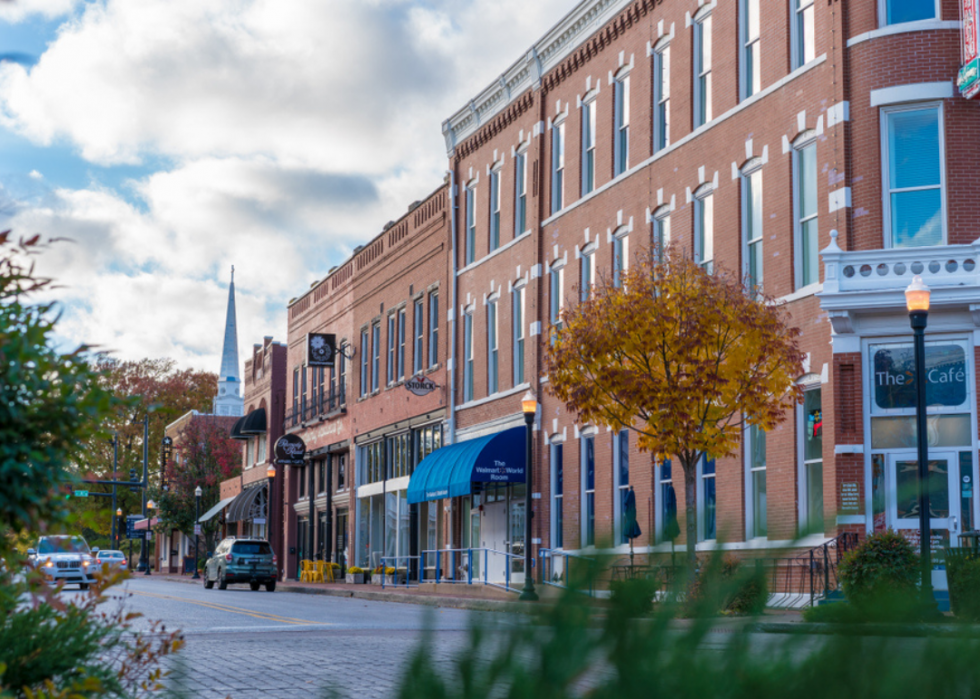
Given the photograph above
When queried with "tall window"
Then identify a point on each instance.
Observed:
(557, 167)
(806, 214)
(492, 347)
(704, 230)
(401, 343)
(418, 331)
(557, 495)
(588, 491)
(812, 449)
(391, 349)
(467, 357)
(752, 228)
(342, 379)
(520, 193)
(301, 474)
(669, 528)
(621, 251)
(470, 224)
(557, 297)
(433, 329)
(342, 471)
(914, 167)
(518, 314)
(755, 452)
(751, 81)
(803, 31)
(494, 210)
(588, 146)
(588, 273)
(661, 98)
(621, 156)
(365, 353)
(702, 71)
(708, 499)
(302, 395)
(622, 443)
(897, 11)
(661, 234)
(375, 356)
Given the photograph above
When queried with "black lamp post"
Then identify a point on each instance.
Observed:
(197, 527)
(917, 302)
(117, 531)
(530, 407)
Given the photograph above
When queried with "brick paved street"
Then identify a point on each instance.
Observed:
(247, 644)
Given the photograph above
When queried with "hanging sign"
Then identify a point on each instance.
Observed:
(320, 349)
(968, 80)
(894, 376)
(420, 385)
(290, 450)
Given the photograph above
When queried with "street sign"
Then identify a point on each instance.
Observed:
(131, 532)
(81, 493)
(197, 530)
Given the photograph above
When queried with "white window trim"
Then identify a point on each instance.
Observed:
(469, 363)
(885, 159)
(699, 487)
(552, 524)
(558, 191)
(802, 484)
(747, 470)
(924, 25)
(588, 107)
(658, 56)
(589, 433)
(493, 367)
(469, 248)
(743, 33)
(915, 92)
(803, 141)
(519, 330)
(697, 27)
(751, 168)
(618, 487)
(883, 14)
(495, 189)
(700, 195)
(621, 161)
(521, 156)
(794, 36)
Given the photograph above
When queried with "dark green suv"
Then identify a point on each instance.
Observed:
(242, 561)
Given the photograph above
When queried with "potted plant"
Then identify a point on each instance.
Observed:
(392, 576)
(377, 575)
(355, 575)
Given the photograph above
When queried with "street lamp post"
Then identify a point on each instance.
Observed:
(530, 407)
(197, 523)
(117, 531)
(917, 303)
(270, 473)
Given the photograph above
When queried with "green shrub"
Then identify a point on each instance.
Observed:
(963, 574)
(881, 577)
(726, 585)
(634, 597)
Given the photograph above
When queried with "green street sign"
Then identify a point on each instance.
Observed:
(81, 493)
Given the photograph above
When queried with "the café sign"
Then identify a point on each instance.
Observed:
(894, 376)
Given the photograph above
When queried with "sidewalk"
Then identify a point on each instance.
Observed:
(474, 597)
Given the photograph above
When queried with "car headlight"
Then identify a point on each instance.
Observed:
(49, 564)
(85, 563)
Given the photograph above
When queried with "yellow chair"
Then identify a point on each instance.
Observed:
(316, 574)
(306, 571)
(328, 569)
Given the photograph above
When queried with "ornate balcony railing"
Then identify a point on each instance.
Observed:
(318, 405)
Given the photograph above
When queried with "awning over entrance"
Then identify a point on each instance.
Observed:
(146, 523)
(254, 423)
(236, 429)
(451, 471)
(241, 508)
(216, 509)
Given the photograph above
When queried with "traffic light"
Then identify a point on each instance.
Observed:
(69, 491)
(132, 479)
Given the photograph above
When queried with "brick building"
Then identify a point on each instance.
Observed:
(367, 421)
(744, 132)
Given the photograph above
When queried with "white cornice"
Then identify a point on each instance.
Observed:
(572, 31)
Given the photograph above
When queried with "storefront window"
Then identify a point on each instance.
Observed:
(668, 503)
(813, 459)
(708, 499)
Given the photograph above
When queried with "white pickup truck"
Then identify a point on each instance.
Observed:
(64, 559)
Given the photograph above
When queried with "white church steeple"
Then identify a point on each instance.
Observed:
(229, 400)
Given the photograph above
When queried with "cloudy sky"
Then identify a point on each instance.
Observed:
(171, 139)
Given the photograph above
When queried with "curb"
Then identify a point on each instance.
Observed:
(881, 630)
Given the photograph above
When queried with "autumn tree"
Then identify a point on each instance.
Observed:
(683, 357)
(205, 455)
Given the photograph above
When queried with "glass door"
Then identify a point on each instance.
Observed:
(903, 495)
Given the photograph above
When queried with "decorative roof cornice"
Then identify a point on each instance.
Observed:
(538, 66)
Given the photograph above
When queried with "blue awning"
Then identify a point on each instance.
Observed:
(451, 471)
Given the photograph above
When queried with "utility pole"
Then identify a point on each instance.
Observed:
(115, 467)
(144, 545)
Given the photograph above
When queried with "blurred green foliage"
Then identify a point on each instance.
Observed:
(881, 578)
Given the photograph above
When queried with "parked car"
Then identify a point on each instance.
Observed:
(115, 559)
(249, 561)
(64, 559)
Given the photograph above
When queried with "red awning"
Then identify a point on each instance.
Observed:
(146, 523)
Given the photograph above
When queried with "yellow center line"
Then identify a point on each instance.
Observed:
(233, 610)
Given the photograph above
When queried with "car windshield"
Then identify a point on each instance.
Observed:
(63, 544)
(251, 548)
(110, 554)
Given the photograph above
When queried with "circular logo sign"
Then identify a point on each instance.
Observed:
(290, 450)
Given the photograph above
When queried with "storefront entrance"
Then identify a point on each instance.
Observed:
(902, 496)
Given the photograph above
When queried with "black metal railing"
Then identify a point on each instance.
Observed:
(813, 572)
(316, 406)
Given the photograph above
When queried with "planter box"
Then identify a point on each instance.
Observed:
(355, 578)
(376, 579)
(396, 579)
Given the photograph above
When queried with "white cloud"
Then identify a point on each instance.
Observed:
(35, 175)
(293, 129)
(18, 10)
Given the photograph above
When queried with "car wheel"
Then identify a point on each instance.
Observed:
(222, 583)
(270, 586)
(208, 582)
(254, 586)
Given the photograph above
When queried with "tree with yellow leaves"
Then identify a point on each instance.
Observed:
(682, 357)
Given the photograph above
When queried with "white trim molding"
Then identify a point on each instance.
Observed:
(904, 28)
(917, 92)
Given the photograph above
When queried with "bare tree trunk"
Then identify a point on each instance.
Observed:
(691, 510)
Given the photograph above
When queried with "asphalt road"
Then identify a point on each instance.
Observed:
(247, 644)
